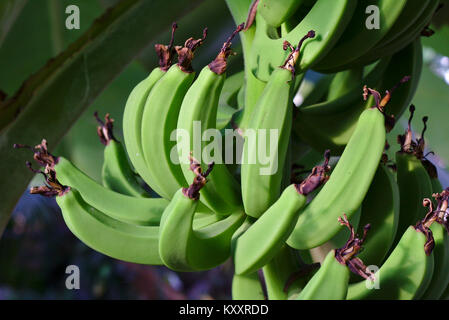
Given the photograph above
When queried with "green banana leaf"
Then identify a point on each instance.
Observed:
(9, 11)
(50, 101)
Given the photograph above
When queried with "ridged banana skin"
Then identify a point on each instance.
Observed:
(440, 278)
(357, 39)
(116, 239)
(159, 120)
(260, 243)
(267, 53)
(414, 185)
(347, 185)
(140, 211)
(329, 283)
(117, 174)
(380, 209)
(132, 124)
(275, 12)
(247, 287)
(222, 191)
(183, 249)
(405, 275)
(273, 111)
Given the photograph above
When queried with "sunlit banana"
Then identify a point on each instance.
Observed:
(349, 181)
(261, 183)
(260, 243)
(183, 249)
(407, 272)
(136, 210)
(198, 114)
(331, 280)
(328, 19)
(117, 174)
(275, 12)
(132, 115)
(114, 238)
(159, 119)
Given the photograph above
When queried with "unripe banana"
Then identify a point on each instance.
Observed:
(183, 249)
(275, 12)
(348, 183)
(247, 287)
(199, 108)
(331, 280)
(114, 238)
(407, 272)
(260, 243)
(132, 115)
(116, 174)
(159, 119)
(261, 183)
(140, 211)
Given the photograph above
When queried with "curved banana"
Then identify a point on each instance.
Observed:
(266, 52)
(183, 249)
(380, 209)
(132, 114)
(348, 183)
(407, 272)
(117, 174)
(261, 242)
(331, 280)
(261, 183)
(357, 39)
(345, 82)
(330, 124)
(114, 238)
(198, 114)
(159, 119)
(142, 211)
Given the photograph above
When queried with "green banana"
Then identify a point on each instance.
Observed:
(402, 41)
(331, 280)
(380, 209)
(199, 107)
(266, 53)
(344, 82)
(407, 272)
(357, 39)
(114, 238)
(330, 124)
(159, 120)
(260, 243)
(183, 249)
(261, 184)
(349, 181)
(247, 287)
(413, 180)
(132, 115)
(286, 274)
(134, 210)
(117, 174)
(228, 103)
(276, 12)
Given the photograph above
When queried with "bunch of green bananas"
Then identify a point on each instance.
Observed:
(206, 206)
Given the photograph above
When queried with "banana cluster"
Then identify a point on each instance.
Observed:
(203, 209)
